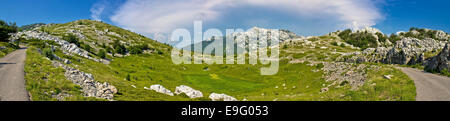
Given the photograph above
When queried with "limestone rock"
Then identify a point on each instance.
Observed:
(388, 76)
(221, 97)
(406, 51)
(439, 62)
(324, 90)
(90, 87)
(77, 33)
(341, 73)
(190, 92)
(65, 46)
(160, 89)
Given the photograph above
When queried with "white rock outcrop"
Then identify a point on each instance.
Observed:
(65, 46)
(221, 97)
(160, 89)
(90, 87)
(190, 92)
(405, 51)
(440, 62)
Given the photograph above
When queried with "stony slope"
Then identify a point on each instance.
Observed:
(98, 35)
(423, 47)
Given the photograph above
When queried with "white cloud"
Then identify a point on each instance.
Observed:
(163, 16)
(97, 10)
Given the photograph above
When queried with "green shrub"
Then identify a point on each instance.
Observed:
(138, 49)
(102, 53)
(134, 50)
(422, 34)
(48, 52)
(109, 49)
(381, 37)
(120, 49)
(334, 43)
(14, 46)
(362, 40)
(128, 78)
(71, 39)
(394, 38)
(445, 72)
(319, 66)
(36, 43)
(87, 47)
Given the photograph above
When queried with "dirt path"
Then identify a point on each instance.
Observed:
(429, 87)
(12, 82)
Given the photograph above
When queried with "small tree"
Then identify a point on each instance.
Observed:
(71, 39)
(136, 49)
(128, 77)
(120, 49)
(109, 49)
(87, 47)
(160, 52)
(102, 53)
(48, 52)
(334, 43)
(5, 29)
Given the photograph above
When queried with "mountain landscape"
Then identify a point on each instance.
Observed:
(88, 60)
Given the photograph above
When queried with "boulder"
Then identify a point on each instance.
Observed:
(324, 90)
(221, 97)
(160, 89)
(388, 76)
(190, 92)
(439, 62)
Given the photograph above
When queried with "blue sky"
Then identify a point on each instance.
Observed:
(305, 17)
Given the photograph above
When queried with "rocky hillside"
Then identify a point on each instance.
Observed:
(416, 47)
(363, 38)
(439, 63)
(62, 43)
(93, 36)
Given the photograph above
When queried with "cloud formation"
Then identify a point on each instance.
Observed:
(97, 10)
(163, 16)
